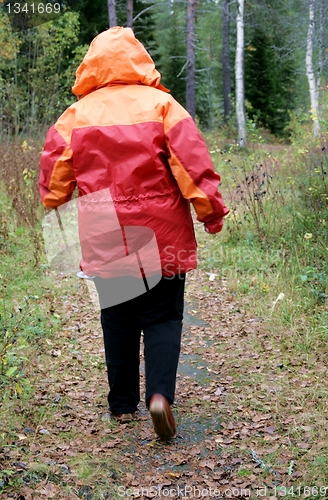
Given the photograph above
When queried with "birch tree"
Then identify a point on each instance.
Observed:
(226, 73)
(191, 69)
(112, 13)
(239, 72)
(313, 85)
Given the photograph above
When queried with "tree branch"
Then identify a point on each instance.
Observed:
(183, 68)
(142, 12)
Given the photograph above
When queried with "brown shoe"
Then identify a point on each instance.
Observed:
(124, 418)
(162, 416)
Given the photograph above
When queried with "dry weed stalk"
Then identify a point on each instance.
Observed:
(252, 186)
(19, 167)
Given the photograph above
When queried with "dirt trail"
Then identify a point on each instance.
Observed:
(228, 425)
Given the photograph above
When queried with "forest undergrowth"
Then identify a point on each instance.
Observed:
(251, 397)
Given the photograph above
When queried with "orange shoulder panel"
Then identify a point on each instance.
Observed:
(188, 188)
(191, 163)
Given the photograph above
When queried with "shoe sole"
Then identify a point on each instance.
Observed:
(161, 424)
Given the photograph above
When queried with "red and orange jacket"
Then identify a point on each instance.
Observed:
(128, 135)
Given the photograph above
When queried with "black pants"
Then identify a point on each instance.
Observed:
(158, 313)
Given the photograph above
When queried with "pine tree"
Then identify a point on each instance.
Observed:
(171, 61)
(270, 68)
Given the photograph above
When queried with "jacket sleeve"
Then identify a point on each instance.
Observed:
(192, 167)
(57, 180)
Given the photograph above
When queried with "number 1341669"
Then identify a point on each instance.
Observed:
(301, 491)
(33, 8)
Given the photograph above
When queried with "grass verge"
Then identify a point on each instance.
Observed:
(272, 257)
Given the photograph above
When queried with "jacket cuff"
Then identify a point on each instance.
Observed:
(214, 226)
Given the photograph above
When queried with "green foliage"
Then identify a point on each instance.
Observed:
(13, 344)
(209, 88)
(37, 66)
(203, 108)
(36, 74)
(274, 93)
(144, 26)
(93, 18)
(299, 128)
(310, 221)
(19, 171)
(171, 40)
(276, 233)
(171, 28)
(253, 196)
(23, 318)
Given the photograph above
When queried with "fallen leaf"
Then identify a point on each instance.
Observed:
(304, 446)
(49, 491)
(21, 437)
(210, 464)
(56, 353)
(259, 418)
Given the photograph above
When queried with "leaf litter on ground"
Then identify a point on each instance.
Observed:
(240, 425)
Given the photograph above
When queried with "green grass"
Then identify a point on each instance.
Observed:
(278, 246)
(27, 320)
(266, 247)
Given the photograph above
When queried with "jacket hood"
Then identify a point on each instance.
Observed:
(115, 56)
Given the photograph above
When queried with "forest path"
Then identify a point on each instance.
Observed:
(231, 437)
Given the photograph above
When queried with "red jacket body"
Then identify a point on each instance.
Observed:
(126, 134)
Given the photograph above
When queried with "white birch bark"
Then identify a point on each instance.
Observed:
(321, 44)
(226, 73)
(112, 13)
(239, 72)
(314, 90)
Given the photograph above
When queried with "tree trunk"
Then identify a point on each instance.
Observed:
(314, 91)
(191, 73)
(226, 60)
(129, 13)
(239, 70)
(112, 13)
